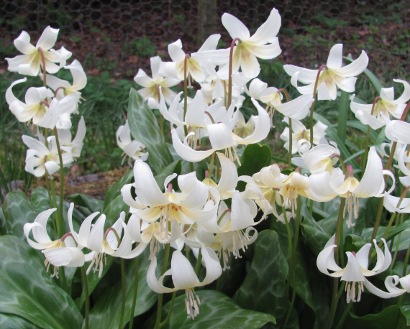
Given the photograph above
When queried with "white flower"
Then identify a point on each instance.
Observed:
(41, 159)
(60, 252)
(151, 86)
(132, 148)
(30, 62)
(184, 277)
(262, 44)
(379, 114)
(76, 145)
(356, 269)
(333, 76)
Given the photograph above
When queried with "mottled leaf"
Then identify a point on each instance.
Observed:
(28, 291)
(216, 311)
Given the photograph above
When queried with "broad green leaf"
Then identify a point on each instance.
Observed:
(115, 190)
(385, 319)
(86, 201)
(395, 230)
(105, 313)
(216, 311)
(405, 310)
(28, 291)
(18, 211)
(254, 158)
(10, 321)
(373, 79)
(144, 128)
(40, 199)
(264, 288)
(314, 235)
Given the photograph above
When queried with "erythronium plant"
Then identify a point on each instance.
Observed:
(208, 212)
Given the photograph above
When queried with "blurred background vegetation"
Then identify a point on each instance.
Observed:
(114, 38)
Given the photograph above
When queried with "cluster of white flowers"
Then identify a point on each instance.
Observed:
(47, 109)
(213, 217)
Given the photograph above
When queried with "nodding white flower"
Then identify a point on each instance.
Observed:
(63, 87)
(398, 131)
(184, 277)
(191, 205)
(100, 242)
(60, 252)
(262, 44)
(40, 108)
(132, 148)
(197, 65)
(301, 136)
(73, 146)
(151, 86)
(357, 267)
(379, 114)
(221, 137)
(41, 159)
(334, 75)
(30, 62)
(326, 186)
(293, 186)
(321, 158)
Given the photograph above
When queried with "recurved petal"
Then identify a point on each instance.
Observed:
(48, 38)
(268, 30)
(334, 59)
(372, 181)
(325, 261)
(391, 286)
(235, 27)
(356, 67)
(146, 188)
(398, 131)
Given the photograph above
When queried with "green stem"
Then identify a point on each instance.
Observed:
(314, 102)
(122, 310)
(87, 298)
(230, 72)
(167, 252)
(60, 216)
(339, 231)
(290, 142)
(168, 318)
(135, 293)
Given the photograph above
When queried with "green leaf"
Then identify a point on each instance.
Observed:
(264, 288)
(10, 321)
(40, 199)
(144, 128)
(343, 108)
(373, 79)
(314, 235)
(115, 190)
(405, 310)
(28, 291)
(394, 231)
(86, 201)
(385, 319)
(216, 311)
(105, 313)
(18, 211)
(254, 158)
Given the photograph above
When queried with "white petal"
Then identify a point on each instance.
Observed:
(335, 56)
(356, 67)
(269, 29)
(372, 181)
(235, 27)
(48, 38)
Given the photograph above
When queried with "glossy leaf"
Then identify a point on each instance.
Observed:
(216, 311)
(105, 313)
(264, 288)
(10, 321)
(18, 211)
(28, 291)
(144, 128)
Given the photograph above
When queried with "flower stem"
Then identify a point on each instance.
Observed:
(135, 293)
(121, 322)
(312, 107)
(230, 72)
(167, 252)
(87, 298)
(60, 217)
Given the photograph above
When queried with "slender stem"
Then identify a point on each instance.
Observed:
(339, 230)
(168, 318)
(230, 71)
(122, 311)
(135, 293)
(321, 68)
(61, 208)
(87, 298)
(342, 319)
(293, 261)
(167, 252)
